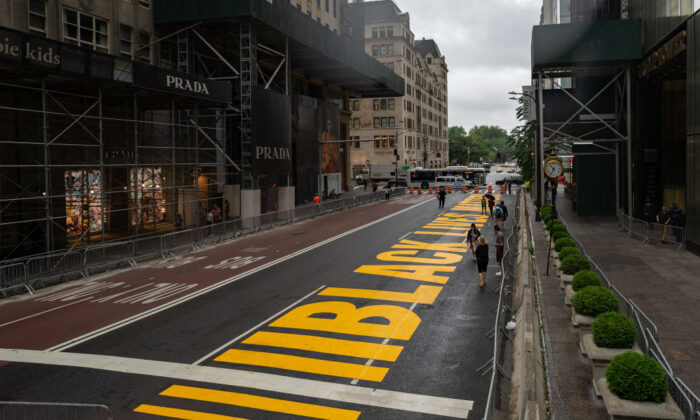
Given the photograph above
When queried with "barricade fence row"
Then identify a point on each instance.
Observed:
(504, 312)
(40, 270)
(647, 332)
(650, 232)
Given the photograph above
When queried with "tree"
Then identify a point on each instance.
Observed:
(463, 148)
(520, 140)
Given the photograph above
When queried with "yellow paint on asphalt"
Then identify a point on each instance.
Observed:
(260, 403)
(428, 246)
(326, 345)
(411, 272)
(176, 413)
(400, 256)
(423, 294)
(348, 319)
(303, 364)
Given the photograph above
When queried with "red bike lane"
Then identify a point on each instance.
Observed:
(54, 316)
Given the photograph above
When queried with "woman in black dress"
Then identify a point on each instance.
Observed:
(482, 260)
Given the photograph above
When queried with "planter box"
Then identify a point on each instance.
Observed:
(565, 279)
(582, 322)
(568, 294)
(555, 254)
(625, 409)
(600, 357)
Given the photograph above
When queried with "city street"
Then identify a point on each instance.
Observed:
(372, 313)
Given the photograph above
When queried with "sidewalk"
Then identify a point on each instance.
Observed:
(569, 372)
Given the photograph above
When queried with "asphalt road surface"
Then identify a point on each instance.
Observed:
(371, 313)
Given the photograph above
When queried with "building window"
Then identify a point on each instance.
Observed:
(125, 40)
(390, 65)
(384, 105)
(390, 49)
(392, 104)
(375, 50)
(382, 32)
(389, 31)
(327, 10)
(355, 123)
(145, 3)
(382, 50)
(392, 142)
(144, 52)
(376, 122)
(375, 104)
(385, 122)
(377, 142)
(37, 16)
(375, 32)
(355, 105)
(168, 52)
(85, 30)
(392, 122)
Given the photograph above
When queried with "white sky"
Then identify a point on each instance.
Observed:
(487, 47)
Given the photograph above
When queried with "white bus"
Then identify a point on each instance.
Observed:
(424, 178)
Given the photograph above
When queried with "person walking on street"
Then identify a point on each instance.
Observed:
(509, 187)
(472, 238)
(483, 204)
(497, 214)
(663, 218)
(500, 240)
(504, 217)
(492, 203)
(441, 198)
(482, 260)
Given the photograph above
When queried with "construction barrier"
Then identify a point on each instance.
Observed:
(476, 189)
(449, 189)
(464, 189)
(430, 190)
(503, 189)
(490, 189)
(420, 190)
(410, 189)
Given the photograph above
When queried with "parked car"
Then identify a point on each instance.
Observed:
(455, 182)
(513, 179)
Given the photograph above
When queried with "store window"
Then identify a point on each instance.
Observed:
(392, 142)
(147, 201)
(83, 192)
(377, 142)
(85, 30)
(125, 32)
(37, 17)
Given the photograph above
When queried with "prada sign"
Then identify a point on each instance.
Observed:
(169, 81)
(41, 52)
(272, 133)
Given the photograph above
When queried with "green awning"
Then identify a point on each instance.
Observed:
(600, 43)
(314, 49)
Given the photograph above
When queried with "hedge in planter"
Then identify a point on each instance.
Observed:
(553, 223)
(584, 278)
(563, 242)
(614, 330)
(637, 377)
(559, 234)
(594, 300)
(574, 263)
(568, 250)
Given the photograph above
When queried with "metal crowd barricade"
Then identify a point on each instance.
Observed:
(17, 410)
(49, 268)
(666, 234)
(647, 339)
(176, 241)
(13, 276)
(109, 255)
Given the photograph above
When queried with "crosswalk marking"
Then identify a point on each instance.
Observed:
(303, 364)
(177, 413)
(260, 403)
(326, 345)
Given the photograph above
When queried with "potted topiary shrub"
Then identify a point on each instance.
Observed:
(572, 265)
(565, 252)
(635, 386)
(590, 302)
(613, 334)
(556, 235)
(581, 279)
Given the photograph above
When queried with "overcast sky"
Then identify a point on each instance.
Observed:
(487, 47)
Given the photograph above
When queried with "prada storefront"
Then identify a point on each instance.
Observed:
(96, 150)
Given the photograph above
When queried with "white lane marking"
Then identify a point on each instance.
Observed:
(124, 322)
(394, 400)
(405, 235)
(44, 312)
(259, 325)
(386, 340)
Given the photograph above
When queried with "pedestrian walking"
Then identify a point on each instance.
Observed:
(500, 240)
(216, 214)
(483, 204)
(504, 210)
(441, 198)
(472, 238)
(210, 217)
(317, 199)
(510, 184)
(663, 218)
(497, 214)
(492, 203)
(482, 260)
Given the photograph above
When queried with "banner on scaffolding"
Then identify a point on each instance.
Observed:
(169, 81)
(272, 133)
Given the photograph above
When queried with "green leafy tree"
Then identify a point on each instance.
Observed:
(463, 148)
(493, 140)
(520, 140)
